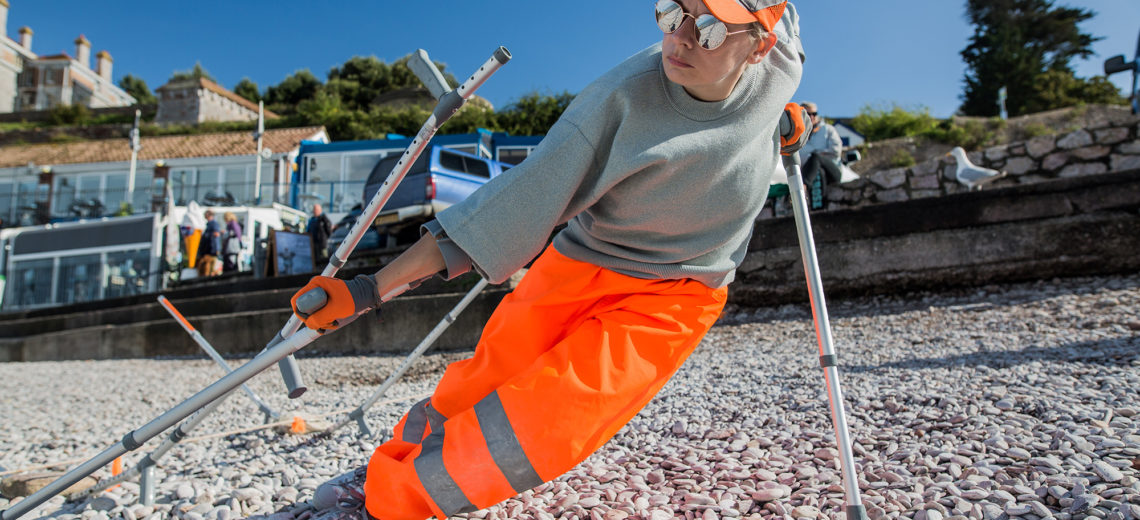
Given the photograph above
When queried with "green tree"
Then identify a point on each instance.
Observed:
(246, 88)
(359, 81)
(533, 114)
(197, 72)
(285, 96)
(1020, 44)
(137, 88)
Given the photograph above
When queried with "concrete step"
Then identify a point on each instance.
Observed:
(400, 326)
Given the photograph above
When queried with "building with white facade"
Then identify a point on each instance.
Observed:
(31, 82)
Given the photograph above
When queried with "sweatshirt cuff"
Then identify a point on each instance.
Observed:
(457, 261)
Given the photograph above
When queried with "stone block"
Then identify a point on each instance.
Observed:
(1017, 149)
(1111, 135)
(888, 179)
(1054, 161)
(949, 172)
(1040, 146)
(1091, 152)
(1020, 165)
(1082, 169)
(1132, 147)
(925, 194)
(997, 153)
(925, 182)
(926, 167)
(895, 195)
(1125, 162)
(842, 194)
(1075, 139)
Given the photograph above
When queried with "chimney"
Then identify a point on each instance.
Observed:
(25, 37)
(103, 65)
(3, 18)
(83, 51)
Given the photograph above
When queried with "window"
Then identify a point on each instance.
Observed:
(183, 185)
(237, 187)
(79, 279)
(30, 283)
(469, 165)
(451, 161)
(513, 155)
(128, 272)
(115, 193)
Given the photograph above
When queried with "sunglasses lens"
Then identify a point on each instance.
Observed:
(711, 32)
(669, 15)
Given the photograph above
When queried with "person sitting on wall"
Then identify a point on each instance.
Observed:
(822, 152)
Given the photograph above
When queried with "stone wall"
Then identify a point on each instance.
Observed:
(1109, 146)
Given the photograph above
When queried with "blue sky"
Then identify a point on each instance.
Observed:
(859, 53)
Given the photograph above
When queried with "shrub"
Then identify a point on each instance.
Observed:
(902, 159)
(69, 115)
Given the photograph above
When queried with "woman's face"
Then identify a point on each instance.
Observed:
(707, 75)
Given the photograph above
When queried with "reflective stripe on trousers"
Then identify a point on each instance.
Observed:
(564, 362)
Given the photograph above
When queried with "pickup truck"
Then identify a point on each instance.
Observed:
(439, 178)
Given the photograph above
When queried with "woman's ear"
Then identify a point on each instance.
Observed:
(762, 48)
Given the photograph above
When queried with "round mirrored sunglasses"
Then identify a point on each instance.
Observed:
(710, 31)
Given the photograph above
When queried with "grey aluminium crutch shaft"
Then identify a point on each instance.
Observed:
(145, 467)
(201, 341)
(448, 319)
(448, 105)
(284, 345)
(827, 358)
(135, 439)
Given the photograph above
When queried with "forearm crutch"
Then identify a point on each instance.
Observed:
(827, 358)
(145, 466)
(286, 344)
(449, 103)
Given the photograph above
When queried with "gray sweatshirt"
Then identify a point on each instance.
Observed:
(650, 181)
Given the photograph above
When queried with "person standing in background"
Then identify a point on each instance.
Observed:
(320, 228)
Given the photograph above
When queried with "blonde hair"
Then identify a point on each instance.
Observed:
(229, 217)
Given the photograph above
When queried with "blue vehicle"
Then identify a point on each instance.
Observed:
(439, 178)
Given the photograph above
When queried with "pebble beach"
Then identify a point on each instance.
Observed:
(1018, 401)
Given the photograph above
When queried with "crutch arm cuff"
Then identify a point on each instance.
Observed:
(457, 261)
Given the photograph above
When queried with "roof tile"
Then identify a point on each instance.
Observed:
(163, 147)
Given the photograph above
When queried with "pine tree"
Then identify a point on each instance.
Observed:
(1026, 46)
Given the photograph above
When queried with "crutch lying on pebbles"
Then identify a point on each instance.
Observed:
(283, 346)
(270, 413)
(827, 358)
(145, 466)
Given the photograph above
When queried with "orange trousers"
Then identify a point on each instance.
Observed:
(566, 360)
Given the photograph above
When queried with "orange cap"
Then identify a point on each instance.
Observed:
(748, 11)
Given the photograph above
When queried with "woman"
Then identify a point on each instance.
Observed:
(231, 244)
(658, 168)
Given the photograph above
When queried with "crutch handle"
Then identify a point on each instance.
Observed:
(312, 301)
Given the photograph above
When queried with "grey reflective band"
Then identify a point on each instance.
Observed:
(829, 360)
(504, 445)
(417, 421)
(336, 262)
(437, 481)
(435, 419)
